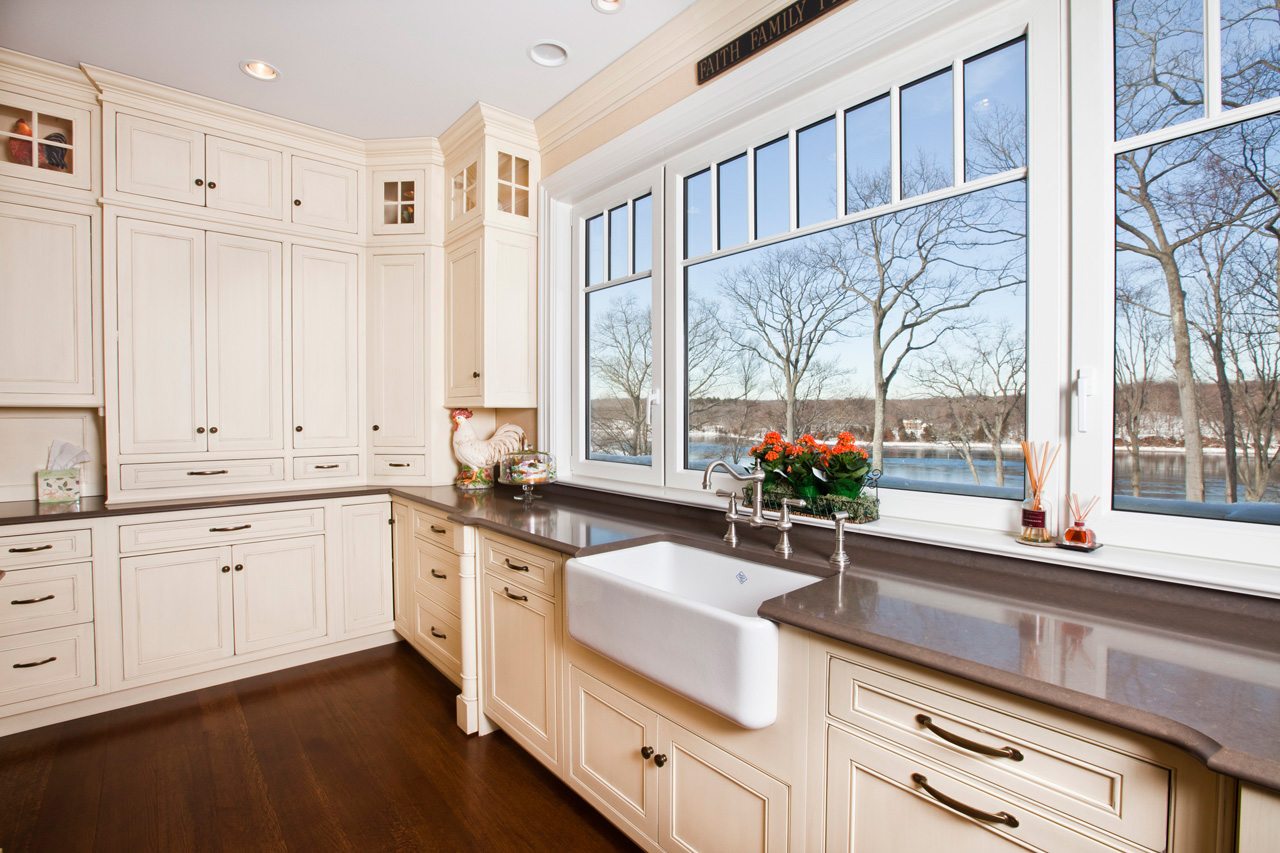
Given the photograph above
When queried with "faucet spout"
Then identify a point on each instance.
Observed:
(755, 478)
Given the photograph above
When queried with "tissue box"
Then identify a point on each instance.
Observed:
(58, 487)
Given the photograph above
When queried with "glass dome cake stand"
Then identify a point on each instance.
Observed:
(527, 469)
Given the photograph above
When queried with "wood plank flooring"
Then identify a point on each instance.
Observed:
(354, 753)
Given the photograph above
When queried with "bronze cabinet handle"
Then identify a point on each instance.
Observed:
(327, 467)
(230, 529)
(435, 529)
(475, 374)
(213, 430)
(298, 428)
(297, 202)
(398, 464)
(646, 752)
(31, 549)
(199, 430)
(239, 567)
(437, 634)
(376, 427)
(49, 597)
(436, 574)
(969, 811)
(511, 595)
(212, 185)
(660, 760)
(207, 473)
(964, 743)
(226, 569)
(510, 565)
(199, 182)
(35, 663)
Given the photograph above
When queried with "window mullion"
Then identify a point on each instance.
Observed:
(1213, 58)
(895, 144)
(957, 121)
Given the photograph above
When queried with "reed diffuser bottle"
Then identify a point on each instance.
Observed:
(1077, 535)
(1039, 525)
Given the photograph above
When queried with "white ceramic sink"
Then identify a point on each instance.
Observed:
(685, 618)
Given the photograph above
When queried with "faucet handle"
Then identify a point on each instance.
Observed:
(795, 502)
(725, 493)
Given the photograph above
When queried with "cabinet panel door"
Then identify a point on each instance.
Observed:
(326, 348)
(161, 312)
(46, 332)
(159, 160)
(175, 610)
(520, 668)
(874, 805)
(243, 178)
(607, 732)
(245, 362)
(279, 592)
(324, 195)
(397, 351)
(403, 567)
(701, 784)
(464, 337)
(366, 566)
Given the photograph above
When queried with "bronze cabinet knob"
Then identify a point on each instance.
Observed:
(199, 430)
(297, 202)
(297, 429)
(199, 182)
(212, 185)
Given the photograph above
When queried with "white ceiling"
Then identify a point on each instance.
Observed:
(372, 69)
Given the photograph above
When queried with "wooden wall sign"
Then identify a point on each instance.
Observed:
(763, 35)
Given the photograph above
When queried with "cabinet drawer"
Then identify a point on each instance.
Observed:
(435, 527)
(405, 465)
(439, 633)
(1072, 774)
(41, 549)
(435, 575)
(529, 568)
(44, 663)
(175, 475)
(48, 597)
(319, 467)
(219, 530)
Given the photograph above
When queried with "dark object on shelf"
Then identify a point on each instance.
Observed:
(1085, 548)
(52, 155)
(20, 149)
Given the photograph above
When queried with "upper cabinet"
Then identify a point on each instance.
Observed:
(243, 178)
(397, 351)
(325, 195)
(397, 197)
(45, 140)
(326, 349)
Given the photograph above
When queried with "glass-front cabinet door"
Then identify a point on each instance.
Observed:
(395, 204)
(44, 141)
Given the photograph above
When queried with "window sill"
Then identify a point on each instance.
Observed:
(1226, 575)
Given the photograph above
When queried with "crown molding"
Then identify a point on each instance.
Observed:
(46, 76)
(415, 149)
(482, 120)
(677, 44)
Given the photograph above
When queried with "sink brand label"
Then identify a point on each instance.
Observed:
(741, 576)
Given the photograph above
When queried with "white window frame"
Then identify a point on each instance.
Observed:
(1093, 312)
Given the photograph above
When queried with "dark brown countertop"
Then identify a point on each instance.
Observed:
(1195, 667)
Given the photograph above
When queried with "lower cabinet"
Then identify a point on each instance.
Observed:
(189, 608)
(402, 560)
(366, 567)
(674, 787)
(521, 639)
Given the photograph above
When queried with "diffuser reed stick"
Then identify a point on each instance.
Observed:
(1039, 460)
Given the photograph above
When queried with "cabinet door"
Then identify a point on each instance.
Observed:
(245, 359)
(324, 195)
(175, 610)
(464, 335)
(161, 314)
(279, 592)
(46, 331)
(397, 351)
(403, 567)
(326, 348)
(610, 736)
(159, 160)
(699, 784)
(874, 804)
(366, 567)
(243, 178)
(520, 645)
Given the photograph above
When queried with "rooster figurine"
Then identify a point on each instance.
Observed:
(477, 455)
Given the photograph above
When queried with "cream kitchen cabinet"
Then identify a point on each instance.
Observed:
(48, 331)
(402, 565)
(200, 341)
(325, 195)
(397, 348)
(189, 609)
(672, 786)
(176, 163)
(367, 583)
(491, 306)
(326, 349)
(63, 156)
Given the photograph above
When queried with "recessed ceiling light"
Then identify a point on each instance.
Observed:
(549, 53)
(607, 6)
(259, 70)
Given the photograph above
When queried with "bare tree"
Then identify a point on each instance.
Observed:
(621, 375)
(783, 310)
(708, 357)
(1138, 352)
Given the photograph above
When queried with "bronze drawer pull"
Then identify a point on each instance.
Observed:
(31, 549)
(510, 565)
(35, 663)
(513, 596)
(969, 811)
(437, 634)
(207, 473)
(230, 529)
(328, 467)
(437, 575)
(964, 743)
(435, 529)
(49, 597)
(399, 464)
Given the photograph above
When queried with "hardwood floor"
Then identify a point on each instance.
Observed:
(355, 753)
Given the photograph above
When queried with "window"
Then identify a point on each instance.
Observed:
(1196, 396)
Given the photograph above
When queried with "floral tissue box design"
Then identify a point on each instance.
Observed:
(58, 487)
